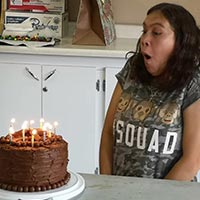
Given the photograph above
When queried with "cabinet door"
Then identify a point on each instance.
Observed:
(20, 95)
(69, 98)
(110, 83)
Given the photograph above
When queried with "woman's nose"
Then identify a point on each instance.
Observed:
(145, 40)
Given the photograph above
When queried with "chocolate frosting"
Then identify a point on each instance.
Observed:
(28, 169)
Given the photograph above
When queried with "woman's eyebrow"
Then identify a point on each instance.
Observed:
(153, 24)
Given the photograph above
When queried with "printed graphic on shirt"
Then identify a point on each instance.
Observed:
(124, 103)
(131, 136)
(149, 130)
(142, 110)
(168, 113)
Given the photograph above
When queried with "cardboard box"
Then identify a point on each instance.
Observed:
(32, 24)
(38, 5)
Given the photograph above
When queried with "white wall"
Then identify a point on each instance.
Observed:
(134, 11)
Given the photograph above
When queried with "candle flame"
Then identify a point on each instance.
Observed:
(41, 120)
(34, 131)
(41, 123)
(32, 122)
(12, 120)
(25, 125)
(55, 123)
(46, 126)
(11, 130)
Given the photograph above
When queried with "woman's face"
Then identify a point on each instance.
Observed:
(157, 42)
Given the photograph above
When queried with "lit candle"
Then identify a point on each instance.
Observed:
(41, 123)
(12, 122)
(30, 124)
(11, 131)
(44, 128)
(34, 131)
(24, 127)
(49, 131)
(55, 125)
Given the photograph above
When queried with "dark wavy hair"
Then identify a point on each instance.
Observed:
(185, 59)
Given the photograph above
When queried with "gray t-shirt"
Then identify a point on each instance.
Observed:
(148, 127)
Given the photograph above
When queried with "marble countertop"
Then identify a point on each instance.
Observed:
(105, 187)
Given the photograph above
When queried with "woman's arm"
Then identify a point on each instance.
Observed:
(106, 146)
(186, 168)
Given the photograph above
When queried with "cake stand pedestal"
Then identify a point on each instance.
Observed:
(73, 188)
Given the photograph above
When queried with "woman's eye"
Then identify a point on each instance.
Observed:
(156, 33)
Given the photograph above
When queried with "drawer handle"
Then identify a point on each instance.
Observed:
(31, 73)
(51, 73)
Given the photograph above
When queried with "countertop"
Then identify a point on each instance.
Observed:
(127, 37)
(103, 187)
(65, 48)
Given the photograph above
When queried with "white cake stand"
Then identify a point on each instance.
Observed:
(74, 187)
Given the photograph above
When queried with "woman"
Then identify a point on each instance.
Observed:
(152, 126)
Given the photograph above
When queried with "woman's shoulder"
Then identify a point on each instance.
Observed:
(124, 74)
(192, 92)
(195, 81)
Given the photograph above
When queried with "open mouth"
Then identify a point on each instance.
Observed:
(147, 56)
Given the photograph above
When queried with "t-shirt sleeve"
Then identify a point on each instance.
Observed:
(123, 75)
(192, 91)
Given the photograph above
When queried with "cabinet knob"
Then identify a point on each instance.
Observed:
(44, 89)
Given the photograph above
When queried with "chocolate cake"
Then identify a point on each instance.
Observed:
(30, 164)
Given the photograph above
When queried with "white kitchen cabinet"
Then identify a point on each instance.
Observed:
(19, 95)
(69, 97)
(74, 96)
